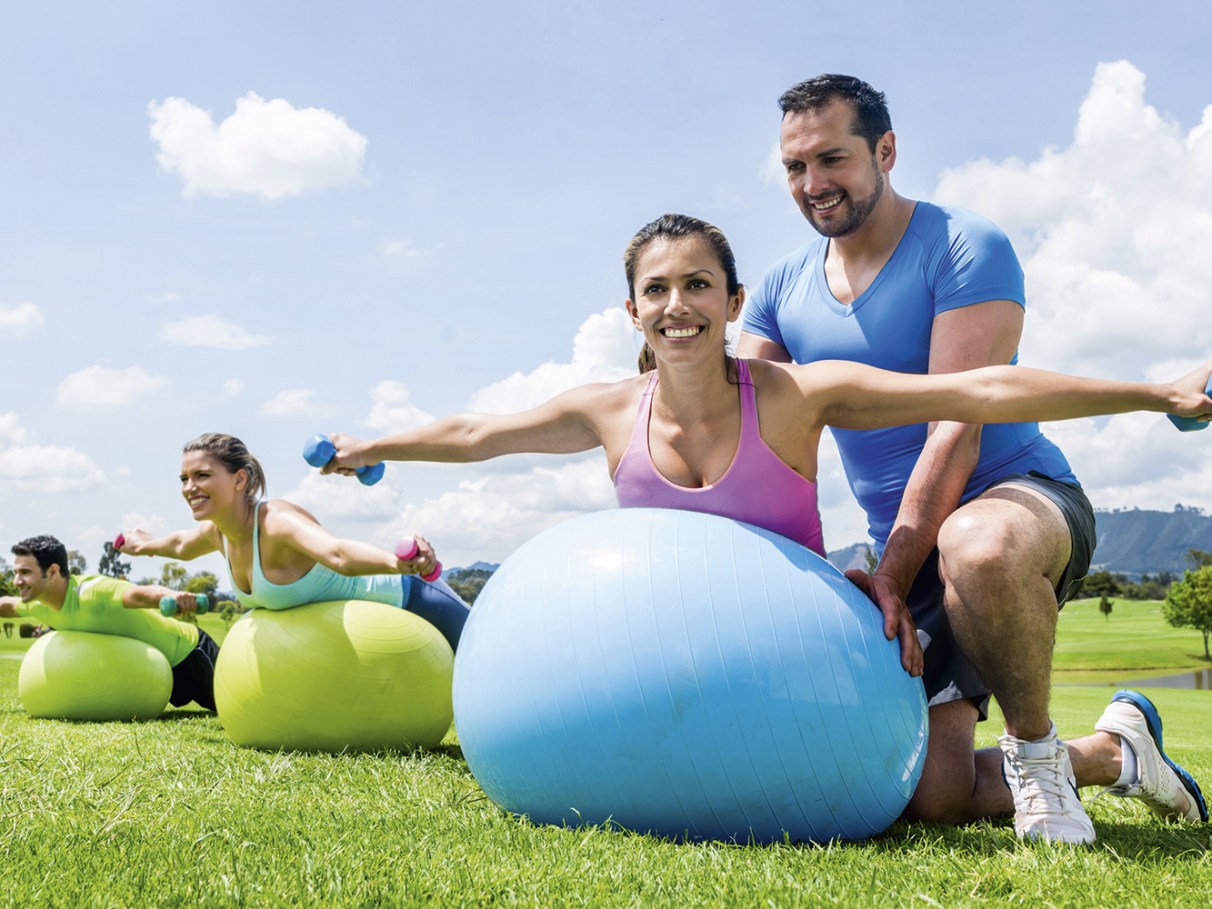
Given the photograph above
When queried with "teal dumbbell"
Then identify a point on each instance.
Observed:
(168, 605)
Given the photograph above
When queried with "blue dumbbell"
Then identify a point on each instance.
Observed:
(319, 450)
(168, 605)
(1190, 424)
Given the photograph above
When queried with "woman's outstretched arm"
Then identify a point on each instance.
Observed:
(180, 544)
(289, 526)
(566, 424)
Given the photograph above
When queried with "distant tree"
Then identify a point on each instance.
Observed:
(1104, 606)
(1102, 584)
(173, 576)
(111, 562)
(76, 563)
(7, 587)
(872, 560)
(468, 583)
(202, 582)
(229, 611)
(1189, 603)
(1147, 588)
(1197, 558)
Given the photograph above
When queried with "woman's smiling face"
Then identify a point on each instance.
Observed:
(682, 304)
(208, 487)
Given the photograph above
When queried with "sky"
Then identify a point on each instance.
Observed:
(277, 219)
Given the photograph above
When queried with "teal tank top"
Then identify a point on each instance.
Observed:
(319, 585)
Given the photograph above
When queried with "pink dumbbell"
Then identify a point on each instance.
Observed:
(407, 549)
(119, 541)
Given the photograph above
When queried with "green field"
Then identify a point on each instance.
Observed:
(169, 813)
(1133, 642)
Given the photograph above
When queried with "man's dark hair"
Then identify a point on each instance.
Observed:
(871, 118)
(46, 550)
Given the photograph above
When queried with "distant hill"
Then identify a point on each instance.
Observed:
(852, 556)
(1135, 542)
(490, 567)
(1130, 541)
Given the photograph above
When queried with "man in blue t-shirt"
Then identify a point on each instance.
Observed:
(982, 531)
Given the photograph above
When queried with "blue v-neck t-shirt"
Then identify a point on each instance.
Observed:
(948, 258)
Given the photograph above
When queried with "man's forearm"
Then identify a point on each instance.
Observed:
(933, 492)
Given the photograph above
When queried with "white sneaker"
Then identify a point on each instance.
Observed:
(1169, 790)
(1046, 805)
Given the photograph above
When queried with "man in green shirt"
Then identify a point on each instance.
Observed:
(106, 605)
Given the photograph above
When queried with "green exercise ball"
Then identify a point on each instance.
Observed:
(334, 676)
(80, 675)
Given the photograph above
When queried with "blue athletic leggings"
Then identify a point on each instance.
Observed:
(437, 604)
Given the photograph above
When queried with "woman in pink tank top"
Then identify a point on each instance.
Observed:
(739, 438)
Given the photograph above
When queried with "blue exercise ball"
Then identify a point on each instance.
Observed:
(686, 675)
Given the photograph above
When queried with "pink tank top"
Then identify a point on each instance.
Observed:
(757, 488)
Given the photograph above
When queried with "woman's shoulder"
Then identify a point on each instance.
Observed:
(598, 396)
(281, 514)
(769, 374)
(789, 390)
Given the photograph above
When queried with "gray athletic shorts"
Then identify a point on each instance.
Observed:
(949, 676)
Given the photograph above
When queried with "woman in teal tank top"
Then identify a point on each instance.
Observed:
(278, 554)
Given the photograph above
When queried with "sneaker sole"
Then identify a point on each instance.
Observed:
(1154, 723)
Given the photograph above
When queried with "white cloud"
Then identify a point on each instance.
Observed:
(336, 498)
(103, 386)
(604, 350)
(772, 171)
(489, 517)
(10, 428)
(48, 469)
(17, 320)
(232, 388)
(266, 148)
(156, 525)
(290, 402)
(405, 249)
(485, 516)
(393, 411)
(1137, 460)
(210, 331)
(1113, 232)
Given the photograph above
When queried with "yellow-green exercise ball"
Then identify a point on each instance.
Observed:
(336, 676)
(79, 675)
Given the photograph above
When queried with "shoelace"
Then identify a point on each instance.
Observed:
(1042, 780)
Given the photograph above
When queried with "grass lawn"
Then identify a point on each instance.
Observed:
(169, 813)
(1133, 642)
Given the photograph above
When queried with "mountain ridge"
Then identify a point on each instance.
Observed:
(1131, 541)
